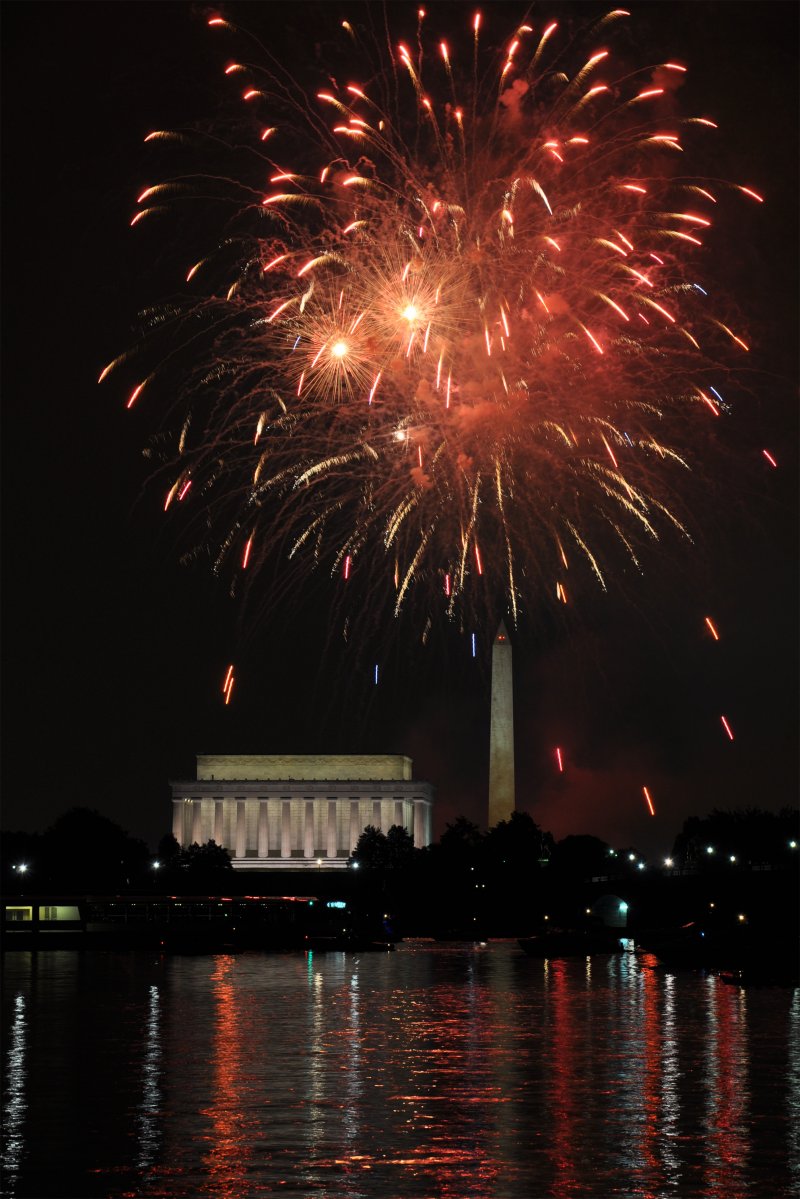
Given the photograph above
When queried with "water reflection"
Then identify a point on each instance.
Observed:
(793, 1091)
(15, 1104)
(727, 1134)
(149, 1112)
(430, 1072)
(228, 1145)
(670, 1086)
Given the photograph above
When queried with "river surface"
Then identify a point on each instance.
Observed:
(437, 1070)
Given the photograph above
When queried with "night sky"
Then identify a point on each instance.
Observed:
(114, 654)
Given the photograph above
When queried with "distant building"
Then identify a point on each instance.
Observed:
(298, 811)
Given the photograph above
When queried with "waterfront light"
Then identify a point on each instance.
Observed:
(156, 865)
(667, 861)
(709, 849)
(631, 857)
(640, 865)
(793, 845)
(623, 907)
(732, 858)
(742, 918)
(21, 868)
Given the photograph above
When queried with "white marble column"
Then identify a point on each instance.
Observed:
(241, 829)
(419, 824)
(197, 814)
(332, 846)
(263, 829)
(398, 812)
(376, 813)
(177, 820)
(308, 830)
(355, 829)
(286, 829)
(219, 816)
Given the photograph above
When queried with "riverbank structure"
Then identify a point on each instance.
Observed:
(298, 811)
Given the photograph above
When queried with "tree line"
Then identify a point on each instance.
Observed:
(83, 851)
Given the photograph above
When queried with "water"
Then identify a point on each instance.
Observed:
(436, 1071)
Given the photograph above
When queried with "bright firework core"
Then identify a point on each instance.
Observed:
(551, 380)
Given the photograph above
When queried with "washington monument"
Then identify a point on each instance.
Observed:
(501, 734)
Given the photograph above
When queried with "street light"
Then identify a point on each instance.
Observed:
(21, 868)
(667, 861)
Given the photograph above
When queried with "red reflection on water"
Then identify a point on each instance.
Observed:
(651, 1100)
(727, 1135)
(229, 1146)
(446, 1087)
(563, 1150)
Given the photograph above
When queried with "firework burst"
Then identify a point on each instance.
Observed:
(454, 337)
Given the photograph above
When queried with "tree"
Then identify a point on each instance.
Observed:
(168, 851)
(85, 851)
(517, 843)
(580, 856)
(460, 843)
(202, 868)
(399, 848)
(371, 851)
(750, 834)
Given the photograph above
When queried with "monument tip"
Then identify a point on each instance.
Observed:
(502, 633)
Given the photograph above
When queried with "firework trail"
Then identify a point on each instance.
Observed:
(454, 337)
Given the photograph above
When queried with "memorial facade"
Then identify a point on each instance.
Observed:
(298, 811)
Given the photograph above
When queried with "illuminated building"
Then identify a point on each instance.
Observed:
(298, 811)
(501, 734)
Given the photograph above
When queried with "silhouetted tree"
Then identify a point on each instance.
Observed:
(517, 843)
(201, 868)
(86, 851)
(399, 848)
(580, 856)
(751, 834)
(168, 850)
(371, 851)
(460, 844)
(376, 850)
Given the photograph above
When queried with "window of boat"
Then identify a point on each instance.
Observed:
(16, 913)
(59, 911)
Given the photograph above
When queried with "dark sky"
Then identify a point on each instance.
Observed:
(113, 654)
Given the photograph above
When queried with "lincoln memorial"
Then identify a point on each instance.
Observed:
(292, 812)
